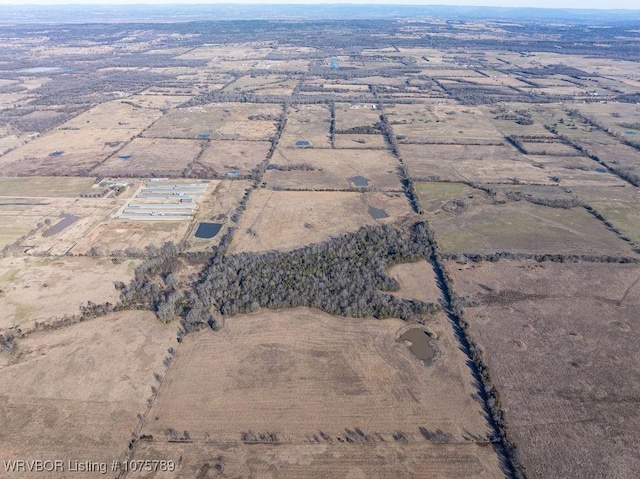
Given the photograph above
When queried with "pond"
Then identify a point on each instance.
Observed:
(377, 213)
(360, 181)
(208, 230)
(419, 344)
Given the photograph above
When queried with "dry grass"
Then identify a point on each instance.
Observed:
(113, 234)
(561, 343)
(37, 289)
(222, 121)
(309, 123)
(44, 187)
(217, 204)
(114, 115)
(417, 281)
(152, 157)
(360, 141)
(296, 373)
(355, 115)
(82, 151)
(333, 168)
(284, 220)
(226, 156)
(74, 393)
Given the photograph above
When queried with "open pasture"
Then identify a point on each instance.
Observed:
(417, 281)
(64, 152)
(74, 394)
(489, 164)
(561, 342)
(442, 198)
(114, 115)
(263, 84)
(152, 157)
(39, 289)
(314, 376)
(284, 220)
(349, 116)
(360, 142)
(231, 51)
(223, 121)
(622, 119)
(44, 187)
(230, 156)
(620, 206)
(118, 235)
(443, 124)
(161, 102)
(525, 227)
(334, 169)
(307, 123)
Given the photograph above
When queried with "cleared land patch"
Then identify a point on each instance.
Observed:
(115, 115)
(315, 377)
(417, 281)
(151, 157)
(284, 220)
(442, 124)
(308, 123)
(561, 343)
(525, 227)
(64, 152)
(74, 393)
(332, 169)
(489, 164)
(37, 289)
(43, 187)
(224, 157)
(221, 121)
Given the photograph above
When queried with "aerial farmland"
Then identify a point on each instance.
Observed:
(357, 247)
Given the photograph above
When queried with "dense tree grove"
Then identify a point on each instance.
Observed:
(344, 276)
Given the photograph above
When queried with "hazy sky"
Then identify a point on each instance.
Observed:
(600, 4)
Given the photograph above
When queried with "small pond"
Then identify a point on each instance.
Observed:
(419, 344)
(208, 230)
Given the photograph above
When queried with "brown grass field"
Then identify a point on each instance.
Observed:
(115, 235)
(225, 156)
(417, 281)
(44, 187)
(82, 151)
(20, 215)
(309, 123)
(299, 373)
(442, 123)
(334, 168)
(223, 121)
(561, 342)
(152, 157)
(489, 164)
(351, 141)
(114, 115)
(74, 394)
(284, 220)
(352, 116)
(38, 289)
